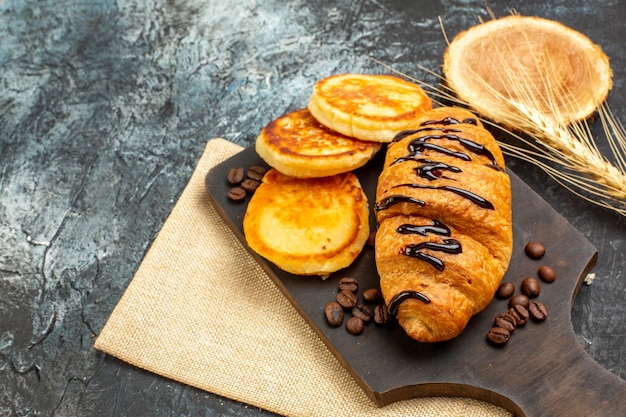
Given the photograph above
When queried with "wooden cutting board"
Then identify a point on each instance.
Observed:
(541, 371)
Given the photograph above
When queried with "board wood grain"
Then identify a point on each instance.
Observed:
(541, 371)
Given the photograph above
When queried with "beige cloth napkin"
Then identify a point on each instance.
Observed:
(201, 311)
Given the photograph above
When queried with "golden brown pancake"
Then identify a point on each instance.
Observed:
(367, 107)
(308, 226)
(297, 144)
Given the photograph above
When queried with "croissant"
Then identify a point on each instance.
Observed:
(444, 238)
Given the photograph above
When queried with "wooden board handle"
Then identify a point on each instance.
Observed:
(573, 384)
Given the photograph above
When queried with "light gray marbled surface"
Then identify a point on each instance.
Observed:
(105, 107)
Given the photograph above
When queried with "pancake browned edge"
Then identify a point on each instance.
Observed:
(367, 107)
(312, 226)
(297, 144)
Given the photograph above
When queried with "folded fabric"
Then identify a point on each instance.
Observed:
(201, 311)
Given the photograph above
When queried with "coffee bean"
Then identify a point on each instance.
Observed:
(538, 311)
(250, 185)
(235, 175)
(256, 172)
(520, 299)
(381, 315)
(347, 299)
(531, 287)
(371, 239)
(348, 284)
(505, 290)
(535, 250)
(334, 313)
(498, 335)
(371, 295)
(363, 312)
(237, 194)
(506, 321)
(520, 314)
(355, 325)
(546, 273)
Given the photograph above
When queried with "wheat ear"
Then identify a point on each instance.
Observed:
(566, 152)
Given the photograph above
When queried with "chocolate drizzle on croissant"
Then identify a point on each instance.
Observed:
(431, 170)
(474, 198)
(443, 201)
(396, 199)
(417, 250)
(392, 308)
(436, 227)
(418, 145)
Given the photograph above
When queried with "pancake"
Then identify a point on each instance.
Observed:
(308, 226)
(296, 144)
(367, 107)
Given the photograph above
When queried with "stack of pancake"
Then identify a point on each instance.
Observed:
(310, 214)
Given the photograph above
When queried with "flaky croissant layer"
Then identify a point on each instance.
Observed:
(443, 205)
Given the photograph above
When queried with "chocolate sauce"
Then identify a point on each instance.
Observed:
(437, 129)
(409, 158)
(450, 121)
(418, 148)
(495, 167)
(395, 302)
(474, 198)
(418, 145)
(430, 170)
(448, 246)
(406, 133)
(403, 134)
(437, 228)
(470, 145)
(395, 199)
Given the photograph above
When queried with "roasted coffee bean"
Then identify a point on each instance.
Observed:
(256, 172)
(498, 335)
(520, 314)
(531, 287)
(546, 273)
(520, 299)
(371, 239)
(535, 250)
(506, 321)
(334, 313)
(355, 325)
(347, 299)
(250, 185)
(237, 194)
(538, 311)
(381, 315)
(235, 175)
(505, 290)
(363, 312)
(348, 284)
(371, 295)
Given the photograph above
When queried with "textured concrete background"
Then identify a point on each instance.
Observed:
(105, 107)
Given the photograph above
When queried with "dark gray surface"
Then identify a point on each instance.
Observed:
(105, 108)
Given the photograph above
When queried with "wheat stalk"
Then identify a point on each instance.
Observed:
(580, 166)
